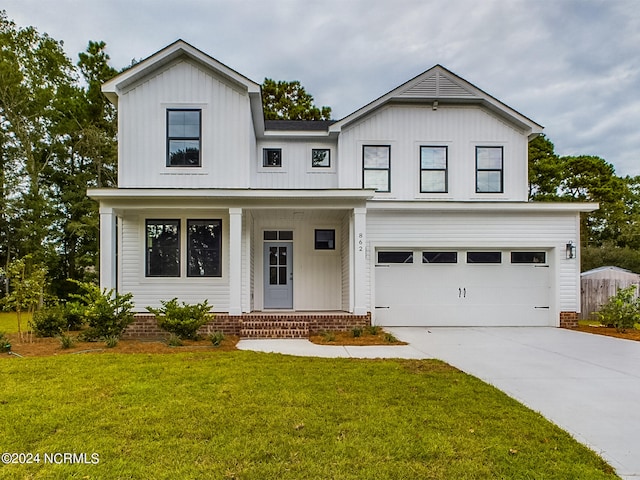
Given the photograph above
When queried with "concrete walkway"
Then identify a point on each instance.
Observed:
(589, 385)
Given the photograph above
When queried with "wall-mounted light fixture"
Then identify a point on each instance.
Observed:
(571, 250)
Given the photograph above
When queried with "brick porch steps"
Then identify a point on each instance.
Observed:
(274, 329)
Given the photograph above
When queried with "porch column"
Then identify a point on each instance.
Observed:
(108, 245)
(235, 261)
(359, 246)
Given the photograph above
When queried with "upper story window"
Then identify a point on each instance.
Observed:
(183, 138)
(376, 167)
(320, 158)
(489, 170)
(272, 157)
(433, 169)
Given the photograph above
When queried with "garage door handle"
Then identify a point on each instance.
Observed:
(462, 292)
(383, 307)
(546, 308)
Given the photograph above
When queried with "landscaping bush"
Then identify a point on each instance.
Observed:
(216, 338)
(66, 341)
(5, 344)
(622, 310)
(48, 321)
(74, 314)
(182, 320)
(108, 313)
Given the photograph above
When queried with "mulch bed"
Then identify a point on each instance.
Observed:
(610, 332)
(39, 347)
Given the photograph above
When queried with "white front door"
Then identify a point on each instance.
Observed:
(278, 275)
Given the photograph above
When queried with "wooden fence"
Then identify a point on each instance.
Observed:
(595, 292)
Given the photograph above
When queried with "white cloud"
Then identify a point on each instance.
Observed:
(571, 65)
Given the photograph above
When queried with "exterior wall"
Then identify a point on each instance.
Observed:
(148, 291)
(485, 230)
(226, 130)
(296, 170)
(317, 274)
(405, 128)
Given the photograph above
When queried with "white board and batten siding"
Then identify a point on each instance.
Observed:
(296, 171)
(226, 139)
(148, 291)
(405, 128)
(553, 286)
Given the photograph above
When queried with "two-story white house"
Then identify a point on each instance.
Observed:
(410, 211)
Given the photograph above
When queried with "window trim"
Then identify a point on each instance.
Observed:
(265, 150)
(315, 239)
(188, 246)
(387, 169)
(328, 157)
(445, 169)
(158, 221)
(170, 138)
(501, 169)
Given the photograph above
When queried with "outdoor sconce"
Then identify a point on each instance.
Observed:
(571, 250)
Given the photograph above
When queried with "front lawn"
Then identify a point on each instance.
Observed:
(9, 322)
(247, 415)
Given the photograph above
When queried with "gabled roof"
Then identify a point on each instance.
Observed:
(113, 88)
(441, 86)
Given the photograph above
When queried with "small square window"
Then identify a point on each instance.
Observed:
(321, 158)
(325, 240)
(272, 157)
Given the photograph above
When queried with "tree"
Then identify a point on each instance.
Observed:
(27, 282)
(289, 101)
(545, 170)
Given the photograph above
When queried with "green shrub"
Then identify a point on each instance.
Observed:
(182, 320)
(66, 341)
(216, 338)
(74, 314)
(622, 310)
(174, 340)
(5, 344)
(373, 329)
(328, 336)
(107, 312)
(111, 341)
(48, 321)
(390, 338)
(356, 332)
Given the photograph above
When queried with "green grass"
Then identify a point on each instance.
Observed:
(9, 322)
(247, 415)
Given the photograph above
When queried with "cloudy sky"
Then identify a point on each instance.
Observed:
(570, 65)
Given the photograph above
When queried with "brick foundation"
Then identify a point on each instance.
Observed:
(257, 325)
(568, 319)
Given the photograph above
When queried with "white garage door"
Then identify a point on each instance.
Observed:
(462, 288)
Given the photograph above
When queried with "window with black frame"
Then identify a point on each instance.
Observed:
(204, 244)
(163, 248)
(183, 138)
(376, 167)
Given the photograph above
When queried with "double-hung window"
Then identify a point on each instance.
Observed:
(489, 170)
(433, 169)
(376, 167)
(183, 137)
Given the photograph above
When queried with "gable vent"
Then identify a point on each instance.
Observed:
(435, 86)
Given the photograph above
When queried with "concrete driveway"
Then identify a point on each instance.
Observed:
(589, 385)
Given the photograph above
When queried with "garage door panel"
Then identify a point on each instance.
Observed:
(462, 294)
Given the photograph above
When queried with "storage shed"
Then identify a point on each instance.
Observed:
(600, 284)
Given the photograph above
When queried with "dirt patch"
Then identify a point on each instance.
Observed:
(39, 347)
(609, 332)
